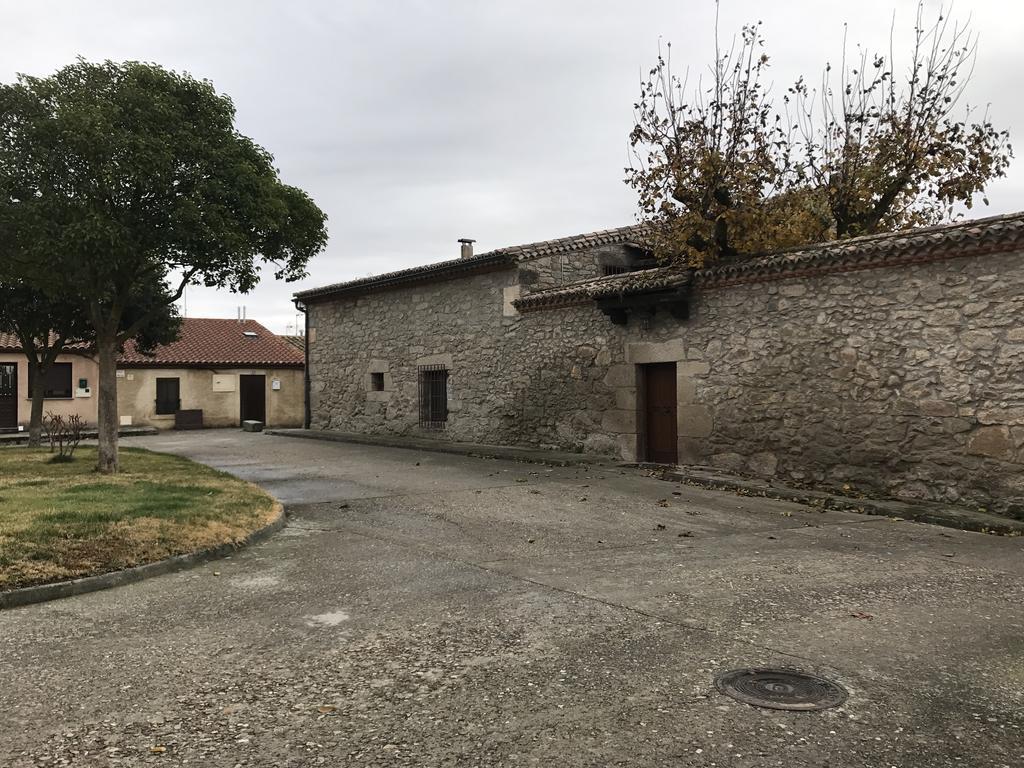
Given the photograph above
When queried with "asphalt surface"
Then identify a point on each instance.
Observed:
(435, 610)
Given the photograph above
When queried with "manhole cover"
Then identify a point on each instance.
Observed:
(780, 689)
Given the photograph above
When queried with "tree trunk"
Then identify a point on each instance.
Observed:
(107, 425)
(35, 423)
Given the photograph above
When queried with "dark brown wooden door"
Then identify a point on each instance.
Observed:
(8, 395)
(660, 404)
(252, 392)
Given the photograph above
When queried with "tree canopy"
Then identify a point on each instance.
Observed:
(728, 170)
(45, 325)
(120, 181)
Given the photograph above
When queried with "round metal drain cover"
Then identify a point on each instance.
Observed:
(781, 689)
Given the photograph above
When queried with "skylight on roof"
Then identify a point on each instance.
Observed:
(250, 334)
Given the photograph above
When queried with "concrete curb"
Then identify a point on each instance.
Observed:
(476, 450)
(43, 592)
(921, 512)
(18, 438)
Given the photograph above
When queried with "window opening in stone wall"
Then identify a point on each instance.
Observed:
(377, 381)
(615, 269)
(433, 381)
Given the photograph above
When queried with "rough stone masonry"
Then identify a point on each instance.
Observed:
(893, 363)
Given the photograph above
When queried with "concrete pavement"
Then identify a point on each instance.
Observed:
(426, 609)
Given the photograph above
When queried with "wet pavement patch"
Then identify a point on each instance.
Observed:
(781, 689)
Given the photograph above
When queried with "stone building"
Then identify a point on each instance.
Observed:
(891, 362)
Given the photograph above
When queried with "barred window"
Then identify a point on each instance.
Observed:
(615, 269)
(433, 396)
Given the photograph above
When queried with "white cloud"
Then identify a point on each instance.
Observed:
(416, 123)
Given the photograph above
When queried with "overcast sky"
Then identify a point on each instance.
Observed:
(415, 123)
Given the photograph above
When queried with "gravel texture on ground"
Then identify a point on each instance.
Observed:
(433, 610)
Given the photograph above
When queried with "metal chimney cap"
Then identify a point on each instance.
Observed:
(466, 240)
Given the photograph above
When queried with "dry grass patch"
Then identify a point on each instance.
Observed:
(62, 521)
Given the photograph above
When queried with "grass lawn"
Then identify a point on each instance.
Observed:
(62, 521)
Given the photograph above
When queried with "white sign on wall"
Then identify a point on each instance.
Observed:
(275, 384)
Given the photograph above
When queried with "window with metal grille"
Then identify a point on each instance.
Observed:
(377, 381)
(615, 269)
(168, 395)
(433, 396)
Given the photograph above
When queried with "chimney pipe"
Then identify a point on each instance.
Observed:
(467, 247)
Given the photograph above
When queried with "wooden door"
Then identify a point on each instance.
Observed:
(168, 395)
(252, 392)
(660, 411)
(8, 395)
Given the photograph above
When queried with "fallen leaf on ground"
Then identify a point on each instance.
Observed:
(662, 502)
(325, 708)
(862, 615)
(158, 750)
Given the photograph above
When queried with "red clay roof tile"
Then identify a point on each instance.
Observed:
(209, 341)
(206, 341)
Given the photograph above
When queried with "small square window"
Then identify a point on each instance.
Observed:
(377, 381)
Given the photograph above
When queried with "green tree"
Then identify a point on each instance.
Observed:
(726, 173)
(48, 325)
(45, 327)
(118, 176)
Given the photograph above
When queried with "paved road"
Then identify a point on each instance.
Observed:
(433, 610)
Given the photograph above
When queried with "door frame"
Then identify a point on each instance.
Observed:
(643, 427)
(14, 398)
(242, 377)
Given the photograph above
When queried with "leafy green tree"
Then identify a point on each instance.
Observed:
(118, 176)
(725, 173)
(45, 327)
(48, 325)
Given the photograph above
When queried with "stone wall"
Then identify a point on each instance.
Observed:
(906, 380)
(552, 271)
